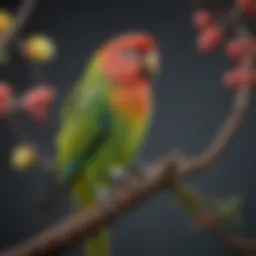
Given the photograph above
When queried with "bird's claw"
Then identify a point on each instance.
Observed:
(102, 194)
(118, 175)
(106, 197)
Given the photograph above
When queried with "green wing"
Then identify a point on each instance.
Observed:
(75, 96)
(84, 131)
(89, 78)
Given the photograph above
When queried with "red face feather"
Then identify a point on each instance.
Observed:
(122, 57)
(125, 60)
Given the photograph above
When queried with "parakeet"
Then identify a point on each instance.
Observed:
(105, 121)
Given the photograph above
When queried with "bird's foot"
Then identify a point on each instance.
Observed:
(103, 193)
(105, 196)
(118, 175)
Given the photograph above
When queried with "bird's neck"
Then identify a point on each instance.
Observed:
(132, 102)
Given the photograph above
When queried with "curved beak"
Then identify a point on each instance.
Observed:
(151, 64)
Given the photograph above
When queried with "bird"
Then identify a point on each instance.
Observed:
(104, 123)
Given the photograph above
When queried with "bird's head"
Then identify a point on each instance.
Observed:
(131, 58)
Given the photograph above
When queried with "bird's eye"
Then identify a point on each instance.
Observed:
(130, 54)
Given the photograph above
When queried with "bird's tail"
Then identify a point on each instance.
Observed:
(100, 243)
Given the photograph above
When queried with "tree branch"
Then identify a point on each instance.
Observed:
(237, 244)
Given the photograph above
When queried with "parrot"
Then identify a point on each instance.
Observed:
(104, 122)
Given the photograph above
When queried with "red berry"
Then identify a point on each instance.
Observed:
(210, 39)
(231, 79)
(237, 49)
(38, 102)
(236, 78)
(6, 95)
(202, 19)
(247, 6)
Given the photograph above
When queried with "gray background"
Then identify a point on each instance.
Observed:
(191, 103)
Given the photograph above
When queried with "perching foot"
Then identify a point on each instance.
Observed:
(106, 197)
(118, 175)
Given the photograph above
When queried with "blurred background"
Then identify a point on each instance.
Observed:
(191, 103)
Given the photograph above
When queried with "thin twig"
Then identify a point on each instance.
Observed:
(25, 10)
(241, 245)
(23, 15)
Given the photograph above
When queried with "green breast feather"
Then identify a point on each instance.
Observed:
(92, 137)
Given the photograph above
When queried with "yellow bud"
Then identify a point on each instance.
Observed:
(6, 22)
(23, 157)
(39, 48)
